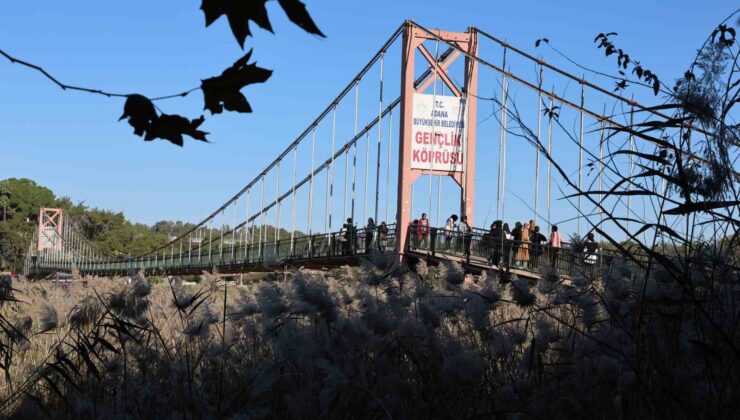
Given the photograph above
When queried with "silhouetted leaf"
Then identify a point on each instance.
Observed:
(298, 14)
(641, 155)
(173, 127)
(626, 60)
(638, 70)
(224, 91)
(701, 206)
(611, 192)
(239, 13)
(105, 343)
(143, 117)
(140, 113)
(212, 9)
(660, 227)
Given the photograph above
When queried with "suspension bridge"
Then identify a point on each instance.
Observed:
(430, 148)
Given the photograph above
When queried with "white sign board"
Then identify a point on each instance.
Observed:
(437, 140)
(49, 238)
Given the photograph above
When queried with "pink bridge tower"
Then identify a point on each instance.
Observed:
(437, 130)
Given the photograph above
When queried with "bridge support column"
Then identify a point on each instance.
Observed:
(427, 143)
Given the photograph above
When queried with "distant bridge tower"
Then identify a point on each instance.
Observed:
(437, 128)
(50, 229)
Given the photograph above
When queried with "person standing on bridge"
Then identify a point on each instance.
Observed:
(414, 234)
(522, 255)
(517, 240)
(506, 240)
(590, 248)
(350, 236)
(422, 231)
(537, 240)
(450, 226)
(465, 230)
(382, 236)
(556, 242)
(369, 233)
(495, 241)
(532, 226)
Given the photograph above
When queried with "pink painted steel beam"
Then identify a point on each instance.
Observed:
(440, 72)
(443, 66)
(412, 40)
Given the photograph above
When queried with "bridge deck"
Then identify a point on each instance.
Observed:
(332, 250)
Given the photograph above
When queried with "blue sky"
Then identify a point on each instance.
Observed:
(72, 142)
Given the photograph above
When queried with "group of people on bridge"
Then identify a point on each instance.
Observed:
(520, 247)
(372, 236)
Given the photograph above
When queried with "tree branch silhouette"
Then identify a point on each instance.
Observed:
(65, 86)
(219, 92)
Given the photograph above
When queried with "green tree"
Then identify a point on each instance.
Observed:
(21, 200)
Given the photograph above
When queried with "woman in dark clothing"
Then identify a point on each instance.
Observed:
(590, 249)
(494, 245)
(507, 244)
(517, 238)
(369, 233)
(485, 246)
(537, 240)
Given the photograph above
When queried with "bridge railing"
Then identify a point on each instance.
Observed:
(477, 247)
(271, 252)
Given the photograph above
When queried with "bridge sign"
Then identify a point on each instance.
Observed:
(437, 133)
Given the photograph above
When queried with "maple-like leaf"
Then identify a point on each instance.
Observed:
(147, 123)
(239, 13)
(140, 113)
(173, 127)
(297, 13)
(224, 91)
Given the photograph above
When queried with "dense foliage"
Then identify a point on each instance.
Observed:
(111, 232)
(378, 342)
(19, 212)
